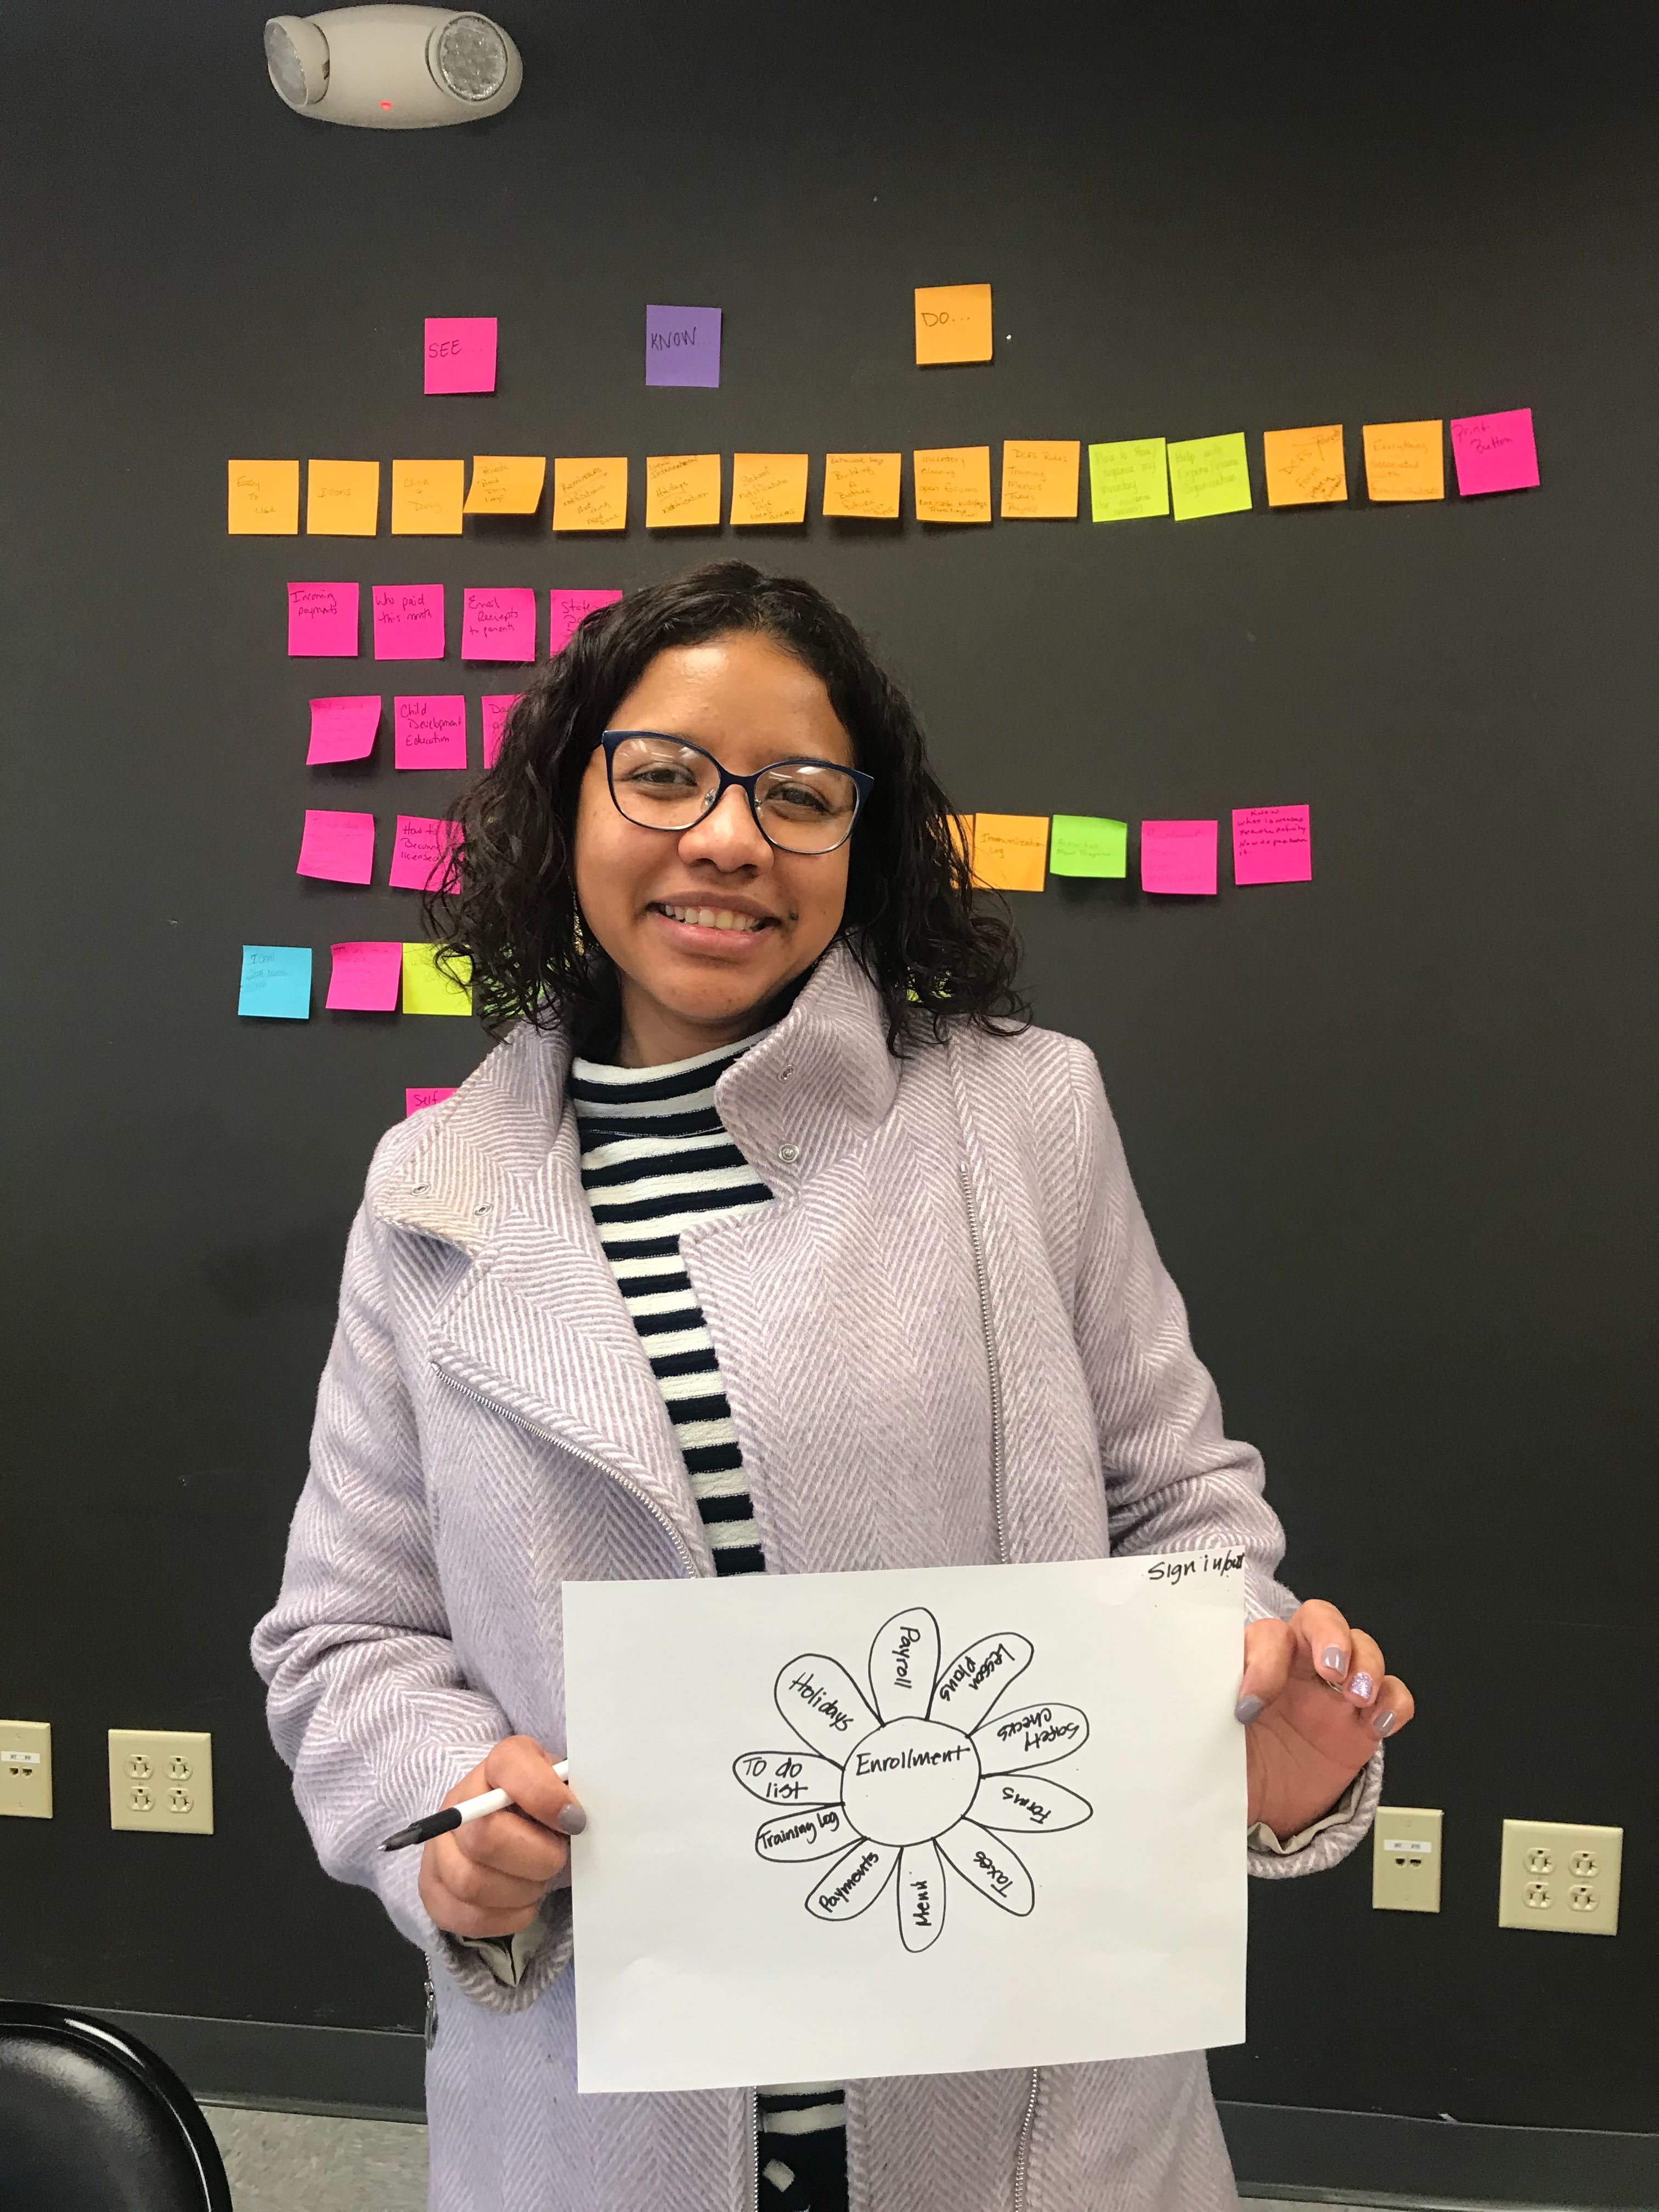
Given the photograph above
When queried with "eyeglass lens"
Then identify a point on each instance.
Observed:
(805, 806)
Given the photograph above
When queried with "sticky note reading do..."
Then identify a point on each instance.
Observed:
(683, 491)
(591, 493)
(1127, 479)
(265, 499)
(1272, 845)
(496, 706)
(1209, 476)
(338, 848)
(423, 853)
(1494, 453)
(683, 345)
(409, 622)
(768, 489)
(416, 1102)
(1010, 851)
(1179, 857)
(343, 729)
(862, 486)
(1039, 482)
(1304, 468)
(460, 353)
(275, 983)
(365, 977)
(1088, 845)
(322, 621)
(953, 323)
(343, 499)
(498, 624)
(568, 610)
(429, 732)
(429, 989)
(426, 498)
(953, 483)
(505, 483)
(1404, 460)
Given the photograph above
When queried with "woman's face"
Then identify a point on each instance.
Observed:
(706, 925)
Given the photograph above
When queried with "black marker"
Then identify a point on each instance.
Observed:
(457, 1816)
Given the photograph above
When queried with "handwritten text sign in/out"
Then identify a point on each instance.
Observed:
(953, 323)
(1272, 845)
(1495, 453)
(683, 345)
(498, 624)
(343, 729)
(459, 353)
(275, 983)
(322, 621)
(365, 977)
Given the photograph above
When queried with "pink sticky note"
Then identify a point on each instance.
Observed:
(322, 621)
(1494, 453)
(1178, 856)
(365, 978)
(421, 854)
(460, 353)
(343, 729)
(497, 706)
(409, 622)
(430, 731)
(568, 609)
(499, 625)
(414, 1100)
(1272, 845)
(339, 847)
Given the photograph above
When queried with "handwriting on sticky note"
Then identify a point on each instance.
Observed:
(1179, 857)
(953, 323)
(264, 498)
(338, 848)
(1209, 476)
(1088, 845)
(683, 345)
(459, 352)
(275, 983)
(499, 624)
(591, 493)
(1039, 480)
(365, 977)
(423, 853)
(496, 706)
(569, 610)
(864, 486)
(343, 499)
(1304, 468)
(1494, 453)
(429, 989)
(426, 498)
(683, 491)
(416, 1101)
(1128, 478)
(1272, 845)
(768, 489)
(430, 731)
(409, 622)
(505, 483)
(343, 729)
(1011, 851)
(322, 621)
(953, 483)
(1404, 460)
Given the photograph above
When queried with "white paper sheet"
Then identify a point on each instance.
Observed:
(906, 1823)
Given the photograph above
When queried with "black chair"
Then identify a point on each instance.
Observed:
(92, 2121)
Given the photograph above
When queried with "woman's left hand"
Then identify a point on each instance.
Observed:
(1315, 1699)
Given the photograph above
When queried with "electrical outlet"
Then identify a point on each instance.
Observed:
(26, 1770)
(1406, 1860)
(161, 1779)
(1554, 1876)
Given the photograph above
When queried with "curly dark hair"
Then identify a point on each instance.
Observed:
(911, 920)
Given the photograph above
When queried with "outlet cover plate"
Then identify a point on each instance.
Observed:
(26, 1770)
(161, 1779)
(1559, 1878)
(1406, 1860)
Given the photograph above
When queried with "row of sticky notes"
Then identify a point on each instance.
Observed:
(365, 978)
(427, 732)
(497, 623)
(338, 848)
(1010, 852)
(682, 347)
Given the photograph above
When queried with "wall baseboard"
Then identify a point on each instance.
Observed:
(1289, 2151)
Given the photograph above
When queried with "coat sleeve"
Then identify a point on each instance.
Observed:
(367, 1703)
(1176, 1481)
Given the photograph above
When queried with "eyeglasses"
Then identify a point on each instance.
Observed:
(799, 806)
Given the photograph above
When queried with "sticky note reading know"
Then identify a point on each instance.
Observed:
(343, 729)
(953, 323)
(426, 498)
(339, 847)
(343, 499)
(1404, 460)
(415, 1102)
(1179, 856)
(568, 610)
(322, 621)
(1088, 845)
(459, 352)
(683, 491)
(591, 493)
(1272, 845)
(275, 983)
(953, 483)
(683, 345)
(365, 977)
(1127, 479)
(263, 498)
(1209, 476)
(768, 489)
(505, 483)
(1039, 481)
(862, 486)
(1010, 851)
(497, 706)
(1494, 453)
(409, 622)
(430, 731)
(1304, 468)
(428, 989)
(422, 854)
(498, 624)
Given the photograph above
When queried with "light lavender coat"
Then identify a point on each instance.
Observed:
(949, 1340)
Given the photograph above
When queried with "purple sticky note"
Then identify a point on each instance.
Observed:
(1272, 845)
(421, 853)
(497, 706)
(409, 622)
(430, 731)
(365, 978)
(498, 625)
(434, 1094)
(338, 847)
(683, 345)
(460, 353)
(1178, 856)
(567, 609)
(322, 621)
(1494, 453)
(343, 729)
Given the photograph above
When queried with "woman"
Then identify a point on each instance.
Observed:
(772, 1236)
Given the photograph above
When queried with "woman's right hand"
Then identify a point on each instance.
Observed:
(489, 1878)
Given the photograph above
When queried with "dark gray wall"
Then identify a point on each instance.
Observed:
(1392, 1129)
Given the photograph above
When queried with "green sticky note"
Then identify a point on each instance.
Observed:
(1128, 479)
(1088, 845)
(1209, 476)
(428, 989)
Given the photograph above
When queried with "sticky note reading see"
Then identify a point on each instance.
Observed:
(365, 977)
(1088, 845)
(953, 483)
(1010, 851)
(430, 731)
(409, 622)
(953, 323)
(423, 853)
(1272, 845)
(683, 491)
(275, 983)
(683, 345)
(338, 848)
(865, 486)
(343, 499)
(767, 488)
(416, 1102)
(496, 706)
(460, 353)
(1179, 856)
(498, 624)
(568, 610)
(429, 989)
(1209, 476)
(1494, 453)
(426, 498)
(1404, 460)
(265, 499)
(1127, 479)
(505, 483)
(322, 621)
(592, 493)
(343, 729)
(1304, 468)
(1039, 482)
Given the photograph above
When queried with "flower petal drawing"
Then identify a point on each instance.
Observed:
(789, 1777)
(971, 1685)
(853, 1883)
(1033, 1736)
(992, 1865)
(805, 1835)
(921, 1895)
(904, 1665)
(1028, 1804)
(824, 1705)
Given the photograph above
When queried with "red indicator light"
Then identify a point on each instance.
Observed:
(387, 104)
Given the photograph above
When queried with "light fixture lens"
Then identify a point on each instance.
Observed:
(283, 60)
(468, 57)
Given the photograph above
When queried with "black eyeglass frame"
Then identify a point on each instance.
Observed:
(863, 785)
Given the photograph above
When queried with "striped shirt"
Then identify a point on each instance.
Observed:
(655, 1157)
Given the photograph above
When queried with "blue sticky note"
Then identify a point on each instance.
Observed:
(683, 345)
(277, 981)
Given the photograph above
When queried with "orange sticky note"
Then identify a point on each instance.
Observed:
(953, 323)
(953, 483)
(591, 493)
(683, 491)
(1305, 468)
(961, 837)
(426, 498)
(507, 483)
(767, 488)
(1039, 481)
(863, 485)
(1011, 851)
(1405, 460)
(343, 499)
(265, 499)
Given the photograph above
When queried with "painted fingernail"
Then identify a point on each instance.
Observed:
(1361, 1687)
(571, 1819)
(1247, 1710)
(1335, 1660)
(1383, 1722)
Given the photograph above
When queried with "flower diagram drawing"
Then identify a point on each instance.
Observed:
(922, 1778)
